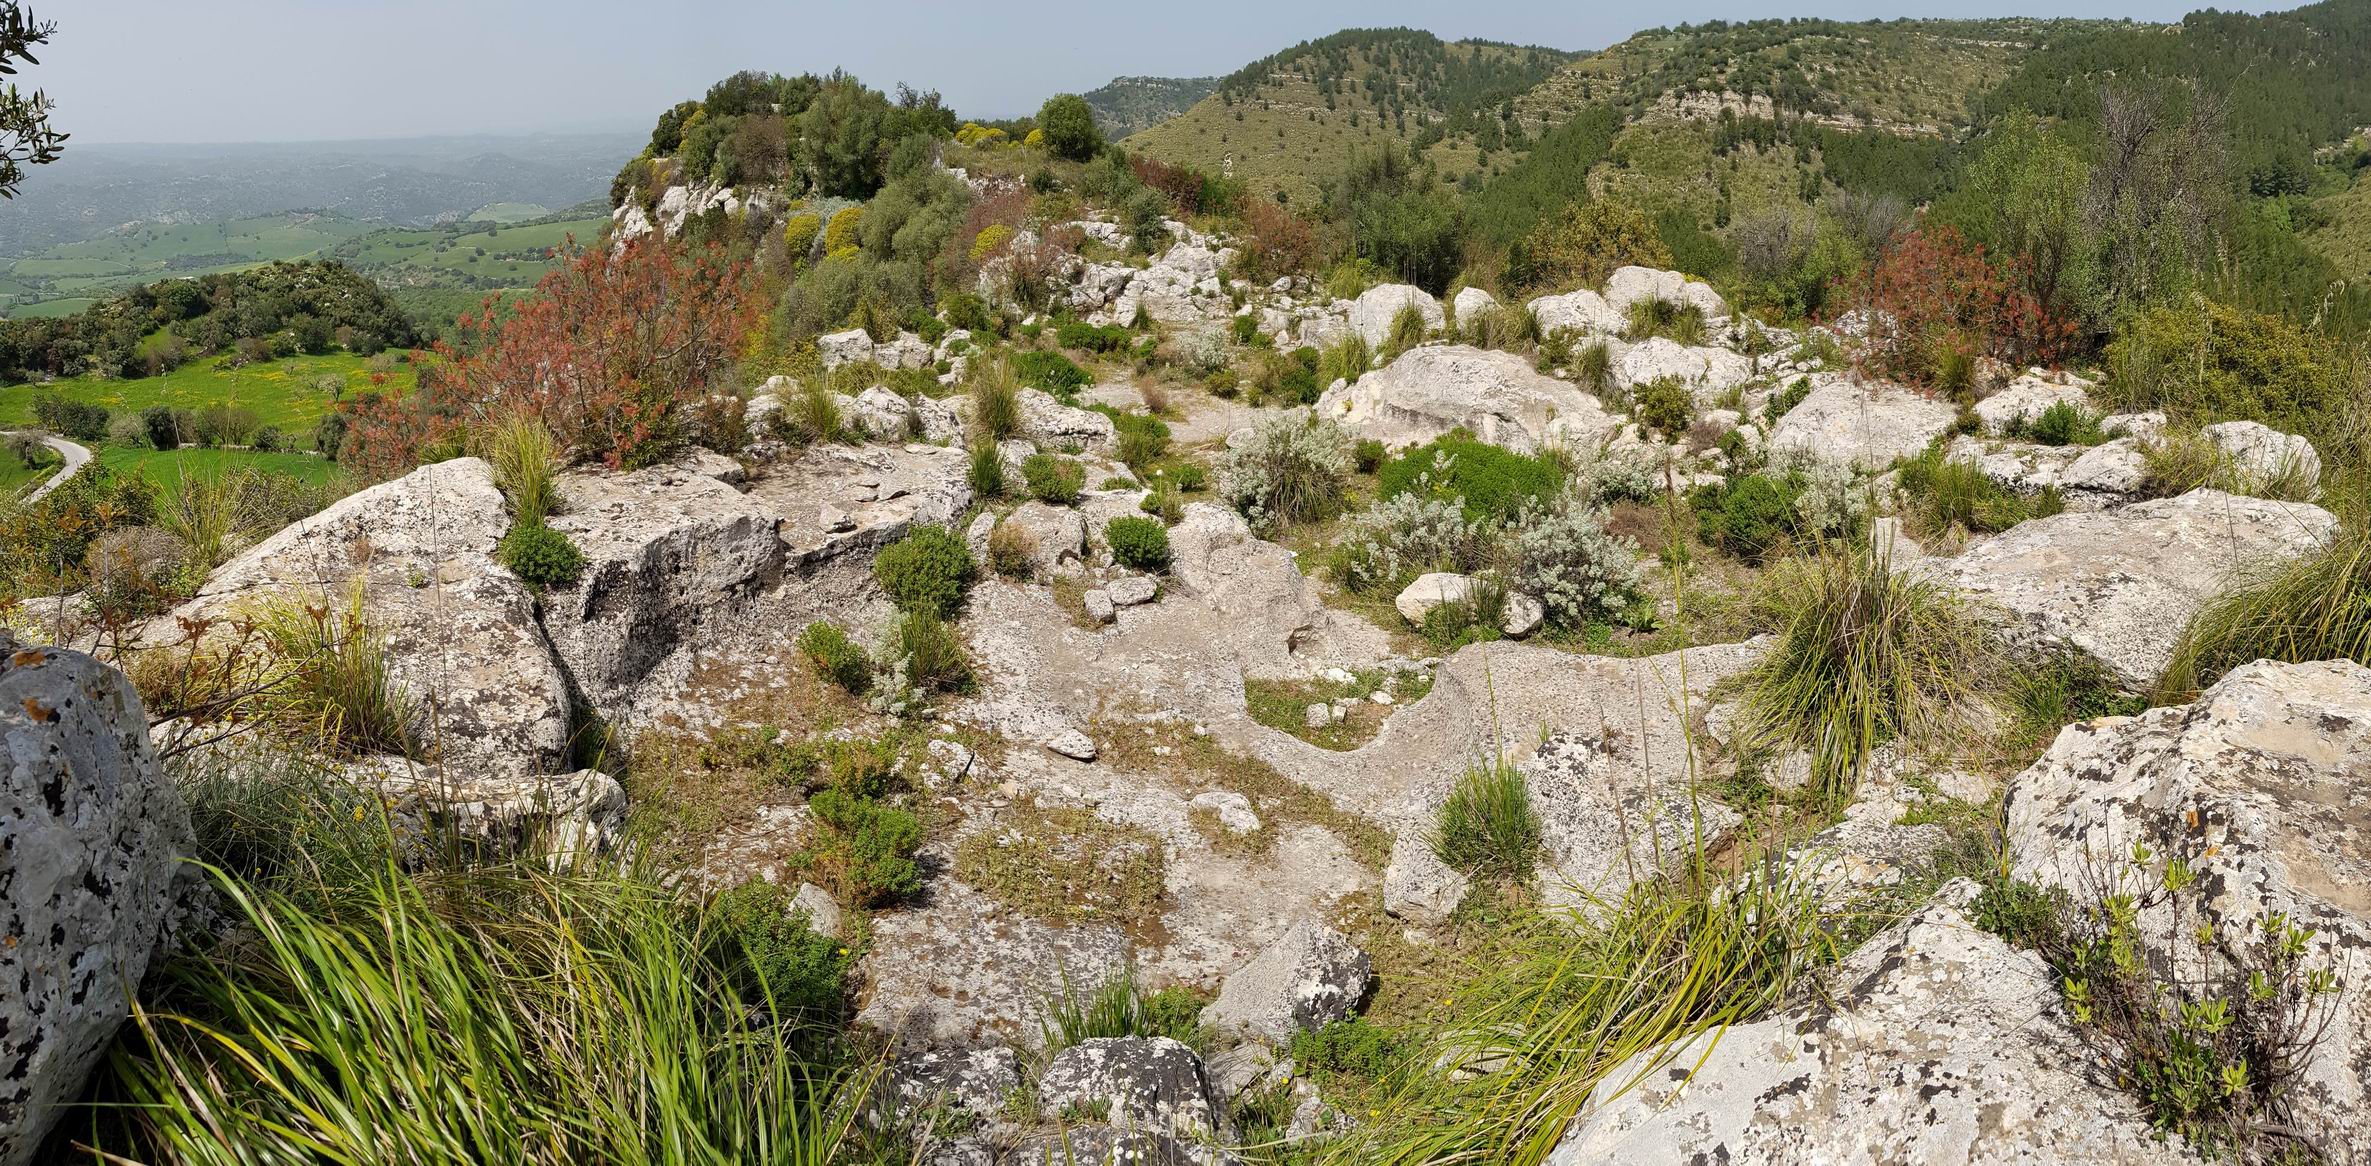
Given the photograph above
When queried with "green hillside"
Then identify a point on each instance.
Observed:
(1280, 122)
(91, 269)
(1128, 105)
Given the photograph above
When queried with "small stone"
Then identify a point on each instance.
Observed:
(821, 911)
(1432, 590)
(1522, 616)
(1073, 744)
(836, 520)
(1379, 696)
(1099, 606)
(1318, 715)
(1131, 590)
(1233, 809)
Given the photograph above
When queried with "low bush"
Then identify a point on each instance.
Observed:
(1056, 480)
(1139, 544)
(837, 658)
(995, 399)
(328, 683)
(1487, 828)
(1091, 337)
(931, 653)
(1492, 481)
(1664, 406)
(74, 420)
(1593, 367)
(540, 556)
(1291, 470)
(1142, 439)
(1369, 455)
(864, 847)
(928, 570)
(764, 950)
(1561, 554)
(1012, 551)
(986, 472)
(1947, 492)
(1749, 517)
(1052, 372)
(2065, 423)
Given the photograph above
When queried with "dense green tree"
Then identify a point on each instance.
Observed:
(1069, 125)
(842, 136)
(26, 137)
(2024, 196)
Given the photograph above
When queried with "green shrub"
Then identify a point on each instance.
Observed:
(160, 424)
(1291, 470)
(1057, 480)
(866, 847)
(1665, 406)
(1140, 544)
(1189, 476)
(1348, 1048)
(2210, 362)
(933, 654)
(75, 420)
(928, 570)
(1487, 828)
(987, 471)
(1946, 492)
(1369, 455)
(2065, 423)
(1594, 367)
(1012, 551)
(1409, 328)
(837, 658)
(1091, 337)
(541, 556)
(1749, 517)
(768, 952)
(1493, 481)
(1052, 372)
(1784, 401)
(1142, 439)
(1346, 359)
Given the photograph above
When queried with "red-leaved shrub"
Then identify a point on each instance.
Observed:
(1934, 302)
(1275, 241)
(608, 352)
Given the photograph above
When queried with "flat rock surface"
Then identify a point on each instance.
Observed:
(1498, 396)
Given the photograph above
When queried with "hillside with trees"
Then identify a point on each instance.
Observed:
(1126, 105)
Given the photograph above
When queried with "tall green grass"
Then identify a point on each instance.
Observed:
(2315, 608)
(525, 459)
(329, 685)
(522, 1017)
(1867, 655)
(1487, 828)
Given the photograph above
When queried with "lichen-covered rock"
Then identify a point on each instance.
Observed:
(1937, 1044)
(2260, 453)
(2024, 399)
(2263, 787)
(90, 833)
(976, 1082)
(1055, 535)
(1862, 423)
(1707, 372)
(1057, 428)
(1605, 823)
(558, 818)
(1377, 308)
(672, 557)
(1102, 1145)
(1498, 396)
(2121, 584)
(1582, 313)
(1146, 1083)
(850, 347)
(1304, 981)
(1629, 285)
(460, 631)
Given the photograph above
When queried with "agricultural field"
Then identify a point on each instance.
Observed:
(290, 394)
(64, 279)
(482, 256)
(164, 467)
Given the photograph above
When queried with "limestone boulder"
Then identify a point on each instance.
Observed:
(1310, 978)
(1436, 589)
(853, 346)
(1630, 285)
(1102, 1145)
(2024, 399)
(460, 631)
(2263, 786)
(1935, 1043)
(1498, 396)
(1866, 424)
(2121, 584)
(1055, 535)
(1605, 823)
(673, 557)
(1056, 427)
(2260, 453)
(1372, 314)
(1144, 1083)
(557, 818)
(1471, 303)
(91, 832)
(1708, 372)
(1582, 313)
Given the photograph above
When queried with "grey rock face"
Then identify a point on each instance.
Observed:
(1054, 426)
(1605, 824)
(2261, 787)
(1372, 314)
(1132, 590)
(90, 833)
(968, 1081)
(2121, 584)
(457, 625)
(501, 812)
(1938, 1043)
(1101, 1145)
(2026, 397)
(1865, 424)
(1498, 396)
(1306, 980)
(1629, 285)
(1708, 372)
(1148, 1083)
(1582, 313)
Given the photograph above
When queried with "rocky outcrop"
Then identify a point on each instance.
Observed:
(2121, 584)
(1866, 424)
(672, 556)
(1707, 372)
(1140, 1083)
(1304, 981)
(2260, 787)
(1498, 396)
(1055, 427)
(1377, 308)
(2258, 453)
(1936, 1044)
(1102, 1145)
(1608, 820)
(2024, 399)
(1629, 285)
(1471, 303)
(1582, 313)
(557, 818)
(90, 834)
(460, 631)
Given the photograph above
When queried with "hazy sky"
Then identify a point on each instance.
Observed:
(287, 70)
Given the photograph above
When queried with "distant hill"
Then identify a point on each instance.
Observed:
(1129, 105)
(1282, 121)
(97, 189)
